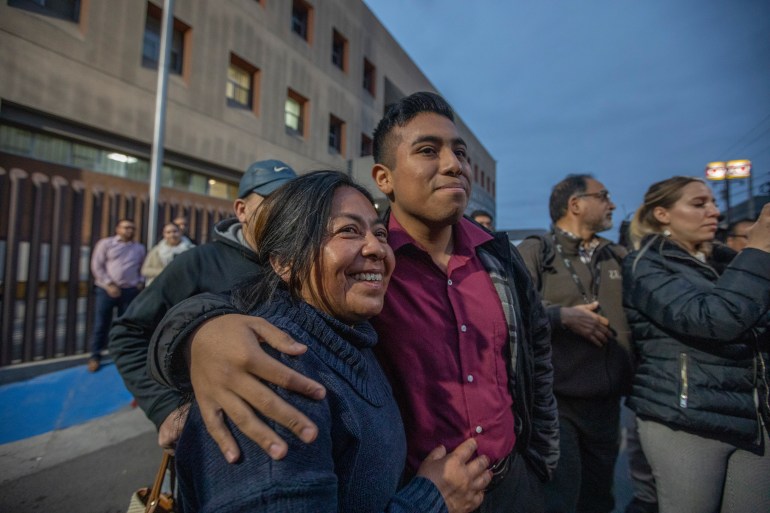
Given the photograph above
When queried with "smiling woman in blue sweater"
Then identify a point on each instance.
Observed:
(326, 265)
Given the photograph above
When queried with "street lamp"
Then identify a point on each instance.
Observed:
(731, 170)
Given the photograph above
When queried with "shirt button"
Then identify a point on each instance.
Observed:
(470, 378)
(478, 429)
(449, 282)
(463, 328)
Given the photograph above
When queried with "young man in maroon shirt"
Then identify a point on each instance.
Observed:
(463, 336)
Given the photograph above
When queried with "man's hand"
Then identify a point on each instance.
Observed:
(226, 359)
(113, 291)
(584, 321)
(460, 479)
(171, 429)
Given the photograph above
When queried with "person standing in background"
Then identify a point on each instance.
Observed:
(736, 234)
(115, 264)
(172, 244)
(578, 274)
(181, 222)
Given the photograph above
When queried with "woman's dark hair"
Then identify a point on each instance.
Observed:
(288, 230)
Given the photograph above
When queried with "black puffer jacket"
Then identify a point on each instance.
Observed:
(213, 267)
(701, 338)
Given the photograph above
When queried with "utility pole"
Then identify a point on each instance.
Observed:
(156, 163)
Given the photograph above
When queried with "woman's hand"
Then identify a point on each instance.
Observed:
(758, 234)
(460, 479)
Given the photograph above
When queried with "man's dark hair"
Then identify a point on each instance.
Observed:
(734, 225)
(563, 191)
(288, 230)
(401, 113)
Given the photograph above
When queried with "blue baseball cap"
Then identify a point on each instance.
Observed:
(264, 177)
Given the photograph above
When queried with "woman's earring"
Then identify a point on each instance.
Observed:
(666, 232)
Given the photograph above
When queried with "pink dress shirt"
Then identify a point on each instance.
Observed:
(444, 345)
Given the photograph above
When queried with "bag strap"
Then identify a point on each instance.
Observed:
(166, 463)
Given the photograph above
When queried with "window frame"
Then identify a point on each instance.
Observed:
(302, 25)
(301, 116)
(336, 140)
(253, 89)
(179, 42)
(33, 6)
(369, 78)
(339, 50)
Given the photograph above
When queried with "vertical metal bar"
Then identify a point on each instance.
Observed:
(11, 263)
(100, 203)
(39, 182)
(59, 185)
(156, 163)
(73, 285)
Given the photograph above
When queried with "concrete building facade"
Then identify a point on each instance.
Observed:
(303, 81)
(238, 67)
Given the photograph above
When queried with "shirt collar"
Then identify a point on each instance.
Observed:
(467, 236)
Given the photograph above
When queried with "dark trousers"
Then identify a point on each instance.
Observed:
(519, 492)
(589, 431)
(104, 305)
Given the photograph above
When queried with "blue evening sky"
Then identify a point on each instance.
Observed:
(631, 91)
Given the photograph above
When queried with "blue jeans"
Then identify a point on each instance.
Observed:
(104, 307)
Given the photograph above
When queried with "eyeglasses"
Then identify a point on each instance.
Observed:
(601, 195)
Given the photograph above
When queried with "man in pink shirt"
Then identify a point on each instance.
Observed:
(115, 263)
(464, 338)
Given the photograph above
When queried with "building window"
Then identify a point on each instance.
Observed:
(366, 145)
(151, 44)
(296, 109)
(59, 150)
(64, 9)
(339, 51)
(302, 19)
(242, 84)
(476, 174)
(336, 135)
(370, 76)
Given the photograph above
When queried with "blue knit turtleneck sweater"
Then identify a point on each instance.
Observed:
(356, 462)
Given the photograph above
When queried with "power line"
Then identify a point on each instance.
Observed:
(743, 137)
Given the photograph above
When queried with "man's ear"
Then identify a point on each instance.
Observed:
(574, 206)
(239, 207)
(661, 215)
(382, 177)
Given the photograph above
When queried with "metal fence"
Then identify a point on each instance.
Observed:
(48, 225)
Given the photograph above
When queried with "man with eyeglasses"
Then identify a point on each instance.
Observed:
(736, 234)
(578, 275)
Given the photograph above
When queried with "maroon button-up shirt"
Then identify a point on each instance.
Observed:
(443, 344)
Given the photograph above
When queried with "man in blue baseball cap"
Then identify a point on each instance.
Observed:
(264, 177)
(212, 267)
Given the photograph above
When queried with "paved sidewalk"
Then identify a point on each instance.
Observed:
(90, 468)
(70, 441)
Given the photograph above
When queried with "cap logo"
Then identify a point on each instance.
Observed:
(279, 169)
